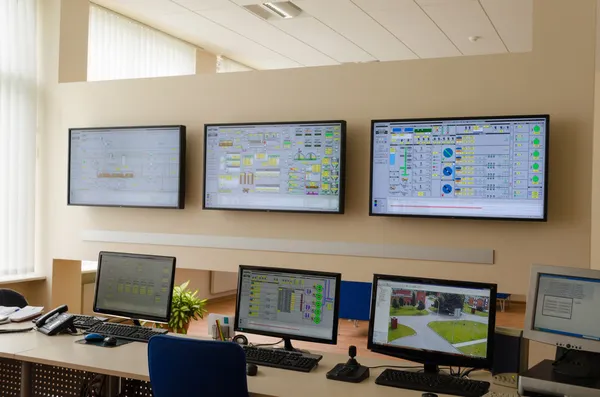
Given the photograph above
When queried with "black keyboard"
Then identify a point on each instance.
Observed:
(123, 331)
(295, 361)
(433, 383)
(84, 322)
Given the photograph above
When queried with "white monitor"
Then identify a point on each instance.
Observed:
(477, 167)
(127, 167)
(562, 307)
(287, 166)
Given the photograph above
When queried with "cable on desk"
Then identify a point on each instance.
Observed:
(15, 331)
(266, 344)
(397, 366)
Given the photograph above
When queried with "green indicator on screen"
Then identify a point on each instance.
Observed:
(536, 179)
(536, 128)
(536, 154)
(536, 166)
(536, 141)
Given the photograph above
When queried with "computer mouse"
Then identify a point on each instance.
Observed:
(93, 338)
(110, 341)
(429, 395)
(251, 369)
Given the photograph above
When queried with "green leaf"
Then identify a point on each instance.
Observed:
(184, 285)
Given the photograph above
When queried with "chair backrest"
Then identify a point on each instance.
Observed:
(190, 367)
(8, 297)
(355, 300)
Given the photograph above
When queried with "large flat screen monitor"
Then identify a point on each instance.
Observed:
(293, 167)
(135, 286)
(435, 322)
(127, 167)
(562, 307)
(477, 167)
(288, 304)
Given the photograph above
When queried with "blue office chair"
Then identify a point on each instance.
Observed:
(355, 301)
(192, 367)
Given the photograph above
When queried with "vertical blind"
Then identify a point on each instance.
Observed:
(226, 65)
(121, 48)
(18, 123)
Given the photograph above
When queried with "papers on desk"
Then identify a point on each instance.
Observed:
(17, 315)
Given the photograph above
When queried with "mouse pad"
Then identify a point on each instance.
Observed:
(100, 343)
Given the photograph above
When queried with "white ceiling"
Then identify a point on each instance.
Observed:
(330, 32)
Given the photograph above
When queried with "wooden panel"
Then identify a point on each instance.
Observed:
(66, 284)
(221, 282)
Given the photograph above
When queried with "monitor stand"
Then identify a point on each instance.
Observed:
(576, 363)
(136, 322)
(431, 368)
(287, 346)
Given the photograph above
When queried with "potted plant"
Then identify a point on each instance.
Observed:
(185, 306)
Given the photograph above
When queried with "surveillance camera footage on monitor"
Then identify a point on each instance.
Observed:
(444, 319)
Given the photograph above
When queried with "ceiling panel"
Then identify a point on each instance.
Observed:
(257, 29)
(378, 5)
(323, 38)
(409, 23)
(200, 5)
(349, 20)
(460, 19)
(513, 20)
(148, 7)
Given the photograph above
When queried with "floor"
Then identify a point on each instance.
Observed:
(348, 334)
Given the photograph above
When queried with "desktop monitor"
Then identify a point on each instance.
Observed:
(127, 167)
(434, 322)
(286, 166)
(562, 308)
(135, 286)
(288, 304)
(475, 167)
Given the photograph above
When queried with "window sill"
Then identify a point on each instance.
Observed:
(24, 278)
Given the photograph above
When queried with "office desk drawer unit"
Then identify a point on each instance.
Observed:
(10, 378)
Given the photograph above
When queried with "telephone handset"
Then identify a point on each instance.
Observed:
(56, 321)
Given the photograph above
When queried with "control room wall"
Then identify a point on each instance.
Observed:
(556, 78)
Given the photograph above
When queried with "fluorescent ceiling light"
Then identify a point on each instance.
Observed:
(283, 9)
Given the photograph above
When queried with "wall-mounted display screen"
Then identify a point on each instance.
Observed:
(294, 167)
(127, 166)
(479, 167)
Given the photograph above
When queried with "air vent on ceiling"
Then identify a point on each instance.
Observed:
(275, 10)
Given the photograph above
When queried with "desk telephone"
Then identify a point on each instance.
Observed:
(56, 322)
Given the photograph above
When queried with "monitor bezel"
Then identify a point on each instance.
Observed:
(342, 191)
(430, 356)
(182, 167)
(559, 340)
(338, 281)
(544, 218)
(130, 315)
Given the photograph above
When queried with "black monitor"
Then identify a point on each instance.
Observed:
(135, 286)
(281, 166)
(434, 322)
(288, 304)
(468, 167)
(127, 167)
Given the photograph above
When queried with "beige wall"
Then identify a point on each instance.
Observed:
(595, 232)
(556, 78)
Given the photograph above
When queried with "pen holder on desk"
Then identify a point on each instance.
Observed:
(215, 333)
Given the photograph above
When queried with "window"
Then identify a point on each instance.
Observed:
(226, 65)
(18, 123)
(121, 48)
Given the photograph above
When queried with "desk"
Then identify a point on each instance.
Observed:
(131, 361)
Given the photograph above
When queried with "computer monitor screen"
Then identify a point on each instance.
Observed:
(492, 167)
(564, 307)
(288, 303)
(433, 321)
(135, 286)
(294, 167)
(127, 167)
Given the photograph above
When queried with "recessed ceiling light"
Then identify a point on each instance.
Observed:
(283, 9)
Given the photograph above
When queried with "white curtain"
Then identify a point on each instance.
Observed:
(18, 123)
(121, 48)
(226, 65)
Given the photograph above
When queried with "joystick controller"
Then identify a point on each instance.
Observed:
(351, 371)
